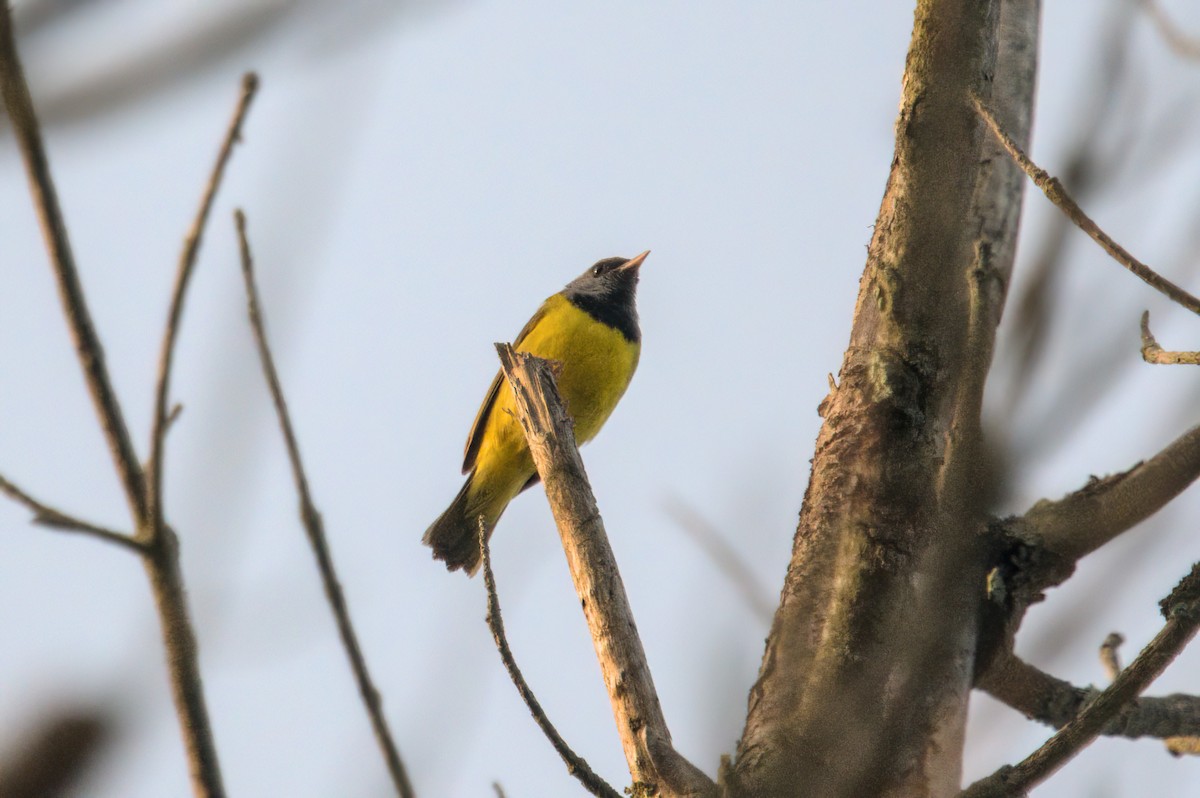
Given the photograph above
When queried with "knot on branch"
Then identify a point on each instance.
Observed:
(1027, 567)
(1184, 599)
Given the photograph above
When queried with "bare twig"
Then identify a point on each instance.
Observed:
(1055, 702)
(173, 416)
(577, 766)
(499, 790)
(87, 343)
(548, 430)
(1085, 520)
(45, 515)
(1055, 192)
(726, 558)
(183, 276)
(1153, 353)
(314, 529)
(1182, 611)
(1110, 654)
(1183, 45)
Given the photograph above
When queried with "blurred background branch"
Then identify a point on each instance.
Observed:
(481, 149)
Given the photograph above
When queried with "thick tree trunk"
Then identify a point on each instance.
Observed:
(864, 683)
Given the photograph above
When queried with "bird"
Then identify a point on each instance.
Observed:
(591, 329)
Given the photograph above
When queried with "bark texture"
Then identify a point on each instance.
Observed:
(654, 764)
(868, 666)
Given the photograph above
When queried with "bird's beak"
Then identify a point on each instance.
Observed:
(633, 263)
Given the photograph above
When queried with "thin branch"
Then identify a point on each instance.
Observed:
(1182, 611)
(1055, 192)
(183, 663)
(1110, 654)
(1085, 520)
(1183, 45)
(45, 515)
(1110, 658)
(1153, 353)
(87, 343)
(498, 789)
(314, 529)
(577, 766)
(183, 276)
(652, 760)
(1055, 702)
(725, 557)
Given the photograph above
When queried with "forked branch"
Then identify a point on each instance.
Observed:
(48, 516)
(54, 229)
(652, 760)
(183, 275)
(1177, 744)
(1182, 611)
(1050, 700)
(161, 553)
(1153, 353)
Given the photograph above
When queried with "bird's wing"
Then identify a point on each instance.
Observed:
(475, 437)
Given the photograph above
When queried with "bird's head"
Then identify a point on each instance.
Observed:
(607, 291)
(613, 279)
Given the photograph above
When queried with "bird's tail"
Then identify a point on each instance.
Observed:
(454, 536)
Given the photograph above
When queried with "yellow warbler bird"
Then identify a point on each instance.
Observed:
(591, 328)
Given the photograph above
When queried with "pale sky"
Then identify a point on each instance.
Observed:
(416, 182)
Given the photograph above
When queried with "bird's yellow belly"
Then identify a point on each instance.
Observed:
(597, 364)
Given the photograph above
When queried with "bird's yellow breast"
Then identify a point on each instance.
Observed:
(597, 364)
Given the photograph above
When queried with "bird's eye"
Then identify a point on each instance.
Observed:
(597, 270)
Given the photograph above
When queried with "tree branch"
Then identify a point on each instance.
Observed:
(314, 529)
(852, 697)
(1085, 520)
(1183, 45)
(1055, 192)
(1088, 168)
(1055, 702)
(183, 276)
(87, 343)
(577, 766)
(640, 722)
(161, 557)
(47, 516)
(1177, 745)
(996, 213)
(1182, 611)
(1110, 654)
(1153, 353)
